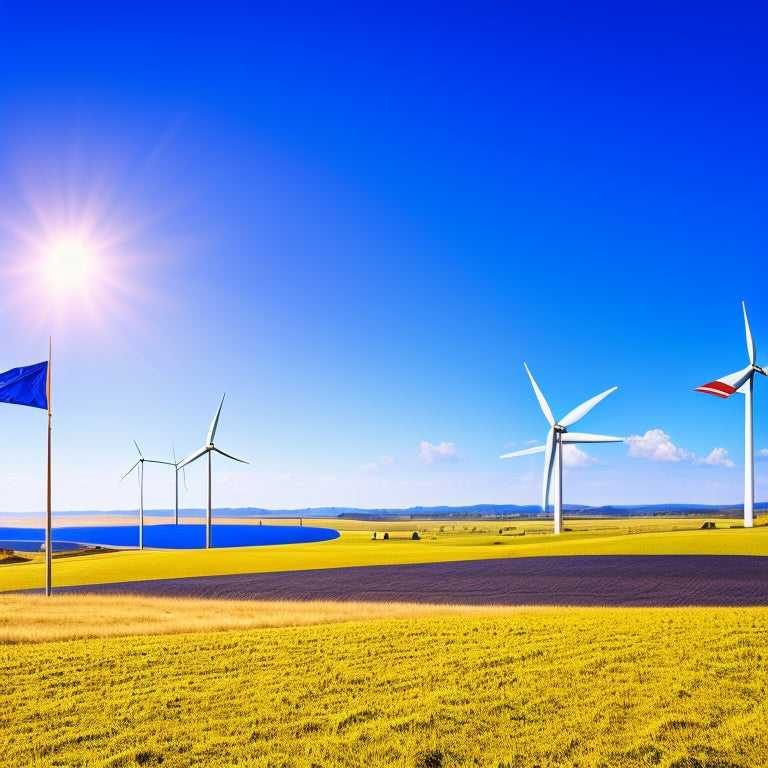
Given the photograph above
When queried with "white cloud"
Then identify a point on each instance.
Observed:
(762, 453)
(530, 442)
(372, 466)
(716, 459)
(431, 454)
(573, 457)
(656, 446)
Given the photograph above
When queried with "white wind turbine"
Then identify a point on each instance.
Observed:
(184, 474)
(208, 448)
(557, 436)
(742, 381)
(140, 465)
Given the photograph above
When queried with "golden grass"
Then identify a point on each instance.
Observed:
(38, 619)
(630, 688)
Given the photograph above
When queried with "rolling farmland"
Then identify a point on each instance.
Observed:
(421, 682)
(440, 542)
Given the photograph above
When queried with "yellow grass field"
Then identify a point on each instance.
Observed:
(95, 680)
(518, 688)
(458, 540)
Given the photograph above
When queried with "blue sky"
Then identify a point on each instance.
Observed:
(359, 219)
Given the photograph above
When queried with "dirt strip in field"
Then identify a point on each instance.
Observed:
(617, 580)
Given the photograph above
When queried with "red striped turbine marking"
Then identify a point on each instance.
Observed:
(717, 388)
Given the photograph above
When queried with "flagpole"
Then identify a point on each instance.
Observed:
(48, 542)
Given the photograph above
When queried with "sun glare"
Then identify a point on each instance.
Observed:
(75, 252)
(70, 265)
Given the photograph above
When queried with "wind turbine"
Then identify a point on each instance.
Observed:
(557, 436)
(208, 448)
(184, 476)
(140, 465)
(742, 381)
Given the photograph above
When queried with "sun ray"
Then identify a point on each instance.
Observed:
(77, 253)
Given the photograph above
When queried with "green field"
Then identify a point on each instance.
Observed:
(458, 540)
(674, 688)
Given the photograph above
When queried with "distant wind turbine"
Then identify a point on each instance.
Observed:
(209, 448)
(184, 476)
(140, 465)
(557, 436)
(742, 381)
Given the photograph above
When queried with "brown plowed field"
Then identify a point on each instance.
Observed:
(618, 580)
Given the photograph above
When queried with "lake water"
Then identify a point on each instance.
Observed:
(164, 536)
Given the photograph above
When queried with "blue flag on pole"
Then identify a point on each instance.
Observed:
(25, 386)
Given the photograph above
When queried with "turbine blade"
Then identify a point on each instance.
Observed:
(242, 461)
(536, 449)
(549, 460)
(129, 471)
(193, 456)
(585, 408)
(729, 384)
(137, 447)
(542, 400)
(183, 471)
(215, 422)
(582, 437)
(750, 341)
(155, 461)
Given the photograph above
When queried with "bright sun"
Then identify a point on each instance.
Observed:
(70, 264)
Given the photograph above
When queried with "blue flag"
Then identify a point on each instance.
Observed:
(25, 386)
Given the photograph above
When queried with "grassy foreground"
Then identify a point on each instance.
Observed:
(675, 688)
(38, 619)
(440, 542)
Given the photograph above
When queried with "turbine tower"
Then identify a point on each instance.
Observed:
(742, 381)
(140, 465)
(559, 435)
(208, 448)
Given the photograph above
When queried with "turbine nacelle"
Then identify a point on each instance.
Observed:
(140, 462)
(208, 449)
(559, 435)
(736, 382)
(140, 465)
(742, 381)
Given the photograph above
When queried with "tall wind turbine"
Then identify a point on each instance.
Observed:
(209, 448)
(557, 436)
(742, 381)
(140, 465)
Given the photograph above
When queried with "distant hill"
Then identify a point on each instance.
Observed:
(491, 511)
(496, 511)
(477, 510)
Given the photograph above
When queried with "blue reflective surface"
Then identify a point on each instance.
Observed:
(166, 536)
